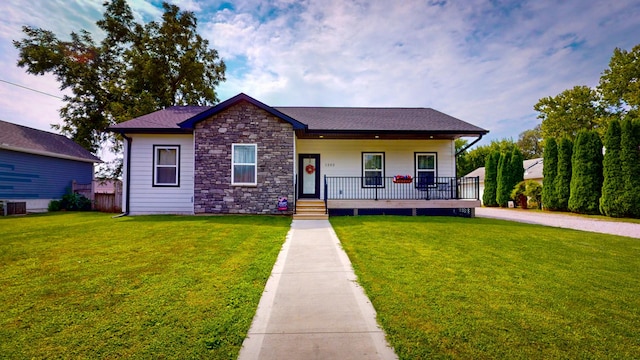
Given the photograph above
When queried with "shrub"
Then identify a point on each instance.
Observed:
(491, 179)
(531, 189)
(54, 205)
(75, 202)
(515, 167)
(71, 202)
(611, 202)
(549, 172)
(503, 192)
(586, 176)
(562, 182)
(630, 159)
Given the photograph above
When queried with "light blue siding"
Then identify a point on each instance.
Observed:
(29, 176)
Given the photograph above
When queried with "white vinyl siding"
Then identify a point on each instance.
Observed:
(344, 157)
(145, 198)
(244, 164)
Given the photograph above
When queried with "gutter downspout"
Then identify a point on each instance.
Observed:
(458, 153)
(470, 145)
(127, 181)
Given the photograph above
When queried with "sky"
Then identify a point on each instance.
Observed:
(487, 62)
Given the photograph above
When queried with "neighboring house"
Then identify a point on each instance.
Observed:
(242, 156)
(532, 171)
(38, 166)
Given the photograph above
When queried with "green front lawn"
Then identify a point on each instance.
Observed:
(482, 288)
(85, 285)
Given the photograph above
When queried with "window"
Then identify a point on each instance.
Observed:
(166, 165)
(372, 169)
(426, 170)
(244, 165)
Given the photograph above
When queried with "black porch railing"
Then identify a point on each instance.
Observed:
(387, 188)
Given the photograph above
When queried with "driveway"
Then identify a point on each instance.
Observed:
(562, 220)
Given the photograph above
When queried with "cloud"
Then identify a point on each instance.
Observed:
(485, 62)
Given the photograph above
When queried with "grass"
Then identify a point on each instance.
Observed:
(84, 285)
(483, 288)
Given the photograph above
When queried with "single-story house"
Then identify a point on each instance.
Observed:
(38, 166)
(243, 157)
(532, 171)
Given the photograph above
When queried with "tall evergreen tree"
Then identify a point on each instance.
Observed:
(630, 159)
(562, 182)
(503, 192)
(613, 186)
(549, 172)
(517, 168)
(491, 179)
(586, 177)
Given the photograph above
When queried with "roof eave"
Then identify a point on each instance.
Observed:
(150, 130)
(388, 134)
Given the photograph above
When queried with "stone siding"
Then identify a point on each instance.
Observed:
(243, 123)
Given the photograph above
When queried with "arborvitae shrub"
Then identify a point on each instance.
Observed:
(613, 187)
(630, 159)
(549, 172)
(491, 179)
(517, 169)
(586, 177)
(503, 193)
(562, 182)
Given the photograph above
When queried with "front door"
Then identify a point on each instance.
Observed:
(309, 178)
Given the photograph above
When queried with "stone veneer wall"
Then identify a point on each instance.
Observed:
(243, 123)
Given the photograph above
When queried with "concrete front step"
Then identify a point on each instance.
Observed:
(310, 210)
(310, 216)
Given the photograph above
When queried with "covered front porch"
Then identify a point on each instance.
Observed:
(354, 195)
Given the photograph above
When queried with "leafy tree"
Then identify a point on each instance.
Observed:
(503, 192)
(586, 177)
(477, 157)
(491, 179)
(562, 181)
(570, 111)
(461, 160)
(549, 173)
(620, 83)
(530, 143)
(613, 185)
(134, 70)
(630, 159)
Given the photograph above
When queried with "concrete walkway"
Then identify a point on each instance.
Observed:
(563, 221)
(312, 307)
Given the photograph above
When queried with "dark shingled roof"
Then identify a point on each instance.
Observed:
(378, 119)
(314, 119)
(25, 139)
(167, 119)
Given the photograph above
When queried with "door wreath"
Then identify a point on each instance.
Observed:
(310, 169)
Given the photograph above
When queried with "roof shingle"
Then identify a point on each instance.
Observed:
(21, 138)
(340, 119)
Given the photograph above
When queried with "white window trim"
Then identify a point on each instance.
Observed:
(156, 149)
(434, 170)
(364, 185)
(255, 165)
